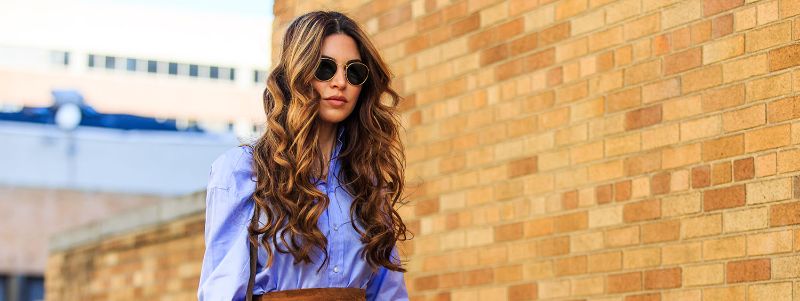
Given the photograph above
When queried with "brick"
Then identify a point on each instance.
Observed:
(783, 109)
(622, 191)
(643, 163)
(723, 49)
(622, 145)
(702, 78)
(603, 195)
(746, 118)
(769, 243)
(640, 258)
(722, 198)
(588, 286)
(785, 267)
(477, 277)
(702, 226)
(746, 219)
(524, 166)
(643, 72)
(767, 138)
(723, 147)
(745, 19)
(508, 232)
(744, 68)
(663, 278)
(769, 191)
(784, 57)
(682, 61)
(553, 246)
(681, 38)
(660, 183)
(720, 173)
(712, 7)
(622, 236)
(723, 98)
(681, 253)
(643, 26)
(701, 32)
(554, 33)
(765, 165)
(620, 10)
(661, 90)
(601, 217)
(644, 297)
(627, 282)
(768, 12)
(643, 210)
(604, 262)
(748, 270)
(707, 274)
(701, 176)
(681, 155)
(682, 13)
(785, 214)
(494, 35)
(660, 44)
(566, 9)
(571, 222)
(788, 161)
(769, 36)
(680, 204)
(700, 128)
(523, 44)
(624, 100)
(729, 293)
(548, 289)
(519, 292)
(643, 117)
(721, 26)
(729, 247)
(781, 291)
(789, 8)
(769, 87)
(679, 180)
(570, 266)
(659, 136)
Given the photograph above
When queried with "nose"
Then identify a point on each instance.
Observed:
(339, 81)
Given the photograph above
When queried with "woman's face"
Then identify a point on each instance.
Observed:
(342, 49)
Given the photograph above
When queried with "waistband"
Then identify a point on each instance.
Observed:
(316, 294)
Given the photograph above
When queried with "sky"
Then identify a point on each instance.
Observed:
(232, 32)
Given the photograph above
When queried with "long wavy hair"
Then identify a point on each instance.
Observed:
(286, 157)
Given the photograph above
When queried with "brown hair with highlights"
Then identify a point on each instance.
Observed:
(286, 157)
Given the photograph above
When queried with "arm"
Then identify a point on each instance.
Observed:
(387, 285)
(225, 268)
(226, 261)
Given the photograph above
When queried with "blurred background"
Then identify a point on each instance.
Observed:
(112, 105)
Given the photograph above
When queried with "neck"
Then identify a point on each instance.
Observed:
(327, 135)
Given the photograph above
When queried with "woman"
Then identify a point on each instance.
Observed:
(324, 178)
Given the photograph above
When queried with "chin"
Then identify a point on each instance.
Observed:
(332, 117)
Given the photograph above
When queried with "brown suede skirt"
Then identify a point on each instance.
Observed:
(316, 294)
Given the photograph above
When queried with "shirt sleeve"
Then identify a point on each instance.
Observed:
(387, 285)
(226, 266)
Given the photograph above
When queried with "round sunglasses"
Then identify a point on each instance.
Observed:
(356, 72)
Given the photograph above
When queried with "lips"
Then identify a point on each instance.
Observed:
(338, 98)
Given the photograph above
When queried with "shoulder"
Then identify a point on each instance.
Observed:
(232, 166)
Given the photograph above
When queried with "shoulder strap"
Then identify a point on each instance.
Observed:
(253, 255)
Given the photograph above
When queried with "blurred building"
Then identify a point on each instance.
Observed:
(106, 107)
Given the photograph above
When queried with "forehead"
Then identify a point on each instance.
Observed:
(340, 47)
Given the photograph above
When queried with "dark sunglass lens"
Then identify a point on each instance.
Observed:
(357, 73)
(326, 70)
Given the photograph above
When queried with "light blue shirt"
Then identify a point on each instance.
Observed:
(229, 208)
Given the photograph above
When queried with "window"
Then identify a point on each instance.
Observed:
(32, 288)
(173, 68)
(193, 70)
(214, 72)
(233, 74)
(91, 60)
(3, 288)
(110, 62)
(152, 66)
(130, 64)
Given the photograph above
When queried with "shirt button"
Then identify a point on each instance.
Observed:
(336, 269)
(335, 228)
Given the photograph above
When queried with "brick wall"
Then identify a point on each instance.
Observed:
(594, 149)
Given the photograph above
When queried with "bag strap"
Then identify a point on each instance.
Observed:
(253, 255)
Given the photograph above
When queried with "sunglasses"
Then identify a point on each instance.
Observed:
(356, 72)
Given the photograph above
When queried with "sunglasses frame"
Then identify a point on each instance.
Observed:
(337, 71)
